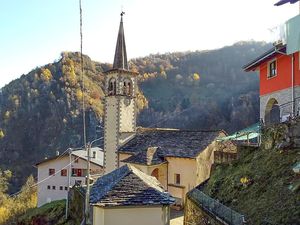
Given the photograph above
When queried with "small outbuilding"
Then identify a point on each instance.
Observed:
(128, 196)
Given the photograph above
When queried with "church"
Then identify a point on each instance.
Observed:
(178, 159)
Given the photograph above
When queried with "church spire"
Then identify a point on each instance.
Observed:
(120, 61)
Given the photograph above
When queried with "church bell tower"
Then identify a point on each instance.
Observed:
(120, 104)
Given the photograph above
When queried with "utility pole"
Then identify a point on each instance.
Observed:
(87, 194)
(69, 181)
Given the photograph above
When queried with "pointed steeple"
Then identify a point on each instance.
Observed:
(120, 61)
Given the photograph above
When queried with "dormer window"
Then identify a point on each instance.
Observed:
(112, 87)
(272, 69)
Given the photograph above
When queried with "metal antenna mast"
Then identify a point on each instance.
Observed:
(87, 148)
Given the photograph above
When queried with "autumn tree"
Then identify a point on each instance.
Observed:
(46, 75)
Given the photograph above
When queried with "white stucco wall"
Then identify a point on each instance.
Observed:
(44, 194)
(187, 170)
(110, 133)
(131, 215)
(127, 115)
(204, 162)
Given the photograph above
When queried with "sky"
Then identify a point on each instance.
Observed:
(34, 32)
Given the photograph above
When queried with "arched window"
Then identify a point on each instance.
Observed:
(112, 87)
(127, 87)
(155, 173)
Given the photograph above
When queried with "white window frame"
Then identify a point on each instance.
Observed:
(268, 69)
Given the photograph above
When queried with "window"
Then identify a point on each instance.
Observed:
(53, 187)
(77, 172)
(78, 182)
(51, 172)
(112, 87)
(177, 178)
(272, 70)
(94, 154)
(127, 87)
(63, 172)
(61, 188)
(48, 187)
(66, 188)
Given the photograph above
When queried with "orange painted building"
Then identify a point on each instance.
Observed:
(279, 74)
(283, 77)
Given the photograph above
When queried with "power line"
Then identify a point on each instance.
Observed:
(46, 177)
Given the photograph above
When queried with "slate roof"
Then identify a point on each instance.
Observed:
(128, 186)
(171, 142)
(81, 154)
(146, 158)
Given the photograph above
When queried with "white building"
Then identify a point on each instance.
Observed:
(53, 173)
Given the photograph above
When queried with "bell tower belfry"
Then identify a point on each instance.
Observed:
(120, 103)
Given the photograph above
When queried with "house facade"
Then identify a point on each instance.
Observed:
(279, 73)
(56, 174)
(179, 159)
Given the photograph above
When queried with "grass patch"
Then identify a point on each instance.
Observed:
(265, 197)
(50, 213)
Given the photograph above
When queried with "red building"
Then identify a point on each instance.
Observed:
(279, 72)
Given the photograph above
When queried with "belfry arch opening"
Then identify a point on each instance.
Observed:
(127, 87)
(112, 86)
(272, 112)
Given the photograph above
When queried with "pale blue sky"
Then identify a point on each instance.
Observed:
(35, 32)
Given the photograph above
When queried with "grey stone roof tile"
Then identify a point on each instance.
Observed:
(150, 156)
(171, 142)
(128, 186)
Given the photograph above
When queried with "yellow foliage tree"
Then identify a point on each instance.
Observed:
(79, 94)
(1, 134)
(196, 76)
(46, 75)
(69, 72)
(7, 115)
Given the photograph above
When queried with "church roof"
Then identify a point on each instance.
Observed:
(151, 156)
(128, 186)
(171, 142)
(120, 60)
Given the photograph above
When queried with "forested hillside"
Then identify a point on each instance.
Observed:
(40, 112)
(202, 90)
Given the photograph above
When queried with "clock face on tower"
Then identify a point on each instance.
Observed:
(127, 101)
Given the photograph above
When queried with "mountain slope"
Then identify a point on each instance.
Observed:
(40, 112)
(207, 89)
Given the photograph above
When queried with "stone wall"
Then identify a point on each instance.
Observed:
(283, 135)
(194, 215)
(284, 99)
